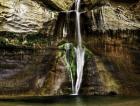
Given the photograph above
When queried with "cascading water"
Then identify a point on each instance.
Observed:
(67, 47)
(64, 31)
(66, 25)
(80, 52)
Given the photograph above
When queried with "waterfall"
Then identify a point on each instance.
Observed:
(98, 19)
(66, 25)
(64, 31)
(80, 52)
(67, 47)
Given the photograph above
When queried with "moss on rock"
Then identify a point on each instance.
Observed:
(33, 40)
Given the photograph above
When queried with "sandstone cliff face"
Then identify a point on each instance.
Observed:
(29, 16)
(23, 16)
(108, 27)
(136, 10)
(57, 5)
(114, 19)
(102, 17)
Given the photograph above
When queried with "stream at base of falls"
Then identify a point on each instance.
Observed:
(78, 101)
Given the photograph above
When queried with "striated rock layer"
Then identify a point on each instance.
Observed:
(23, 16)
(57, 5)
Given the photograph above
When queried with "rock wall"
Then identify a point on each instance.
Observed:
(23, 16)
(57, 5)
(103, 24)
(136, 10)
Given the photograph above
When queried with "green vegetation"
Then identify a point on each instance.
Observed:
(69, 56)
(33, 40)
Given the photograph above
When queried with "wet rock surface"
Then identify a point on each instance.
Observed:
(92, 84)
(30, 73)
